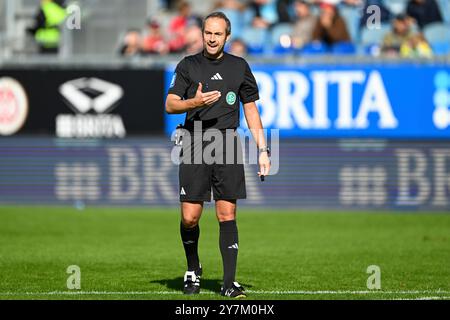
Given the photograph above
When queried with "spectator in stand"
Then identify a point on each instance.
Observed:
(265, 13)
(336, 2)
(131, 43)
(194, 40)
(228, 5)
(424, 12)
(399, 35)
(283, 8)
(234, 10)
(178, 27)
(238, 48)
(154, 42)
(330, 27)
(416, 47)
(304, 25)
(47, 24)
(168, 4)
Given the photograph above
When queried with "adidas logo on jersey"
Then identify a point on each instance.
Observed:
(217, 76)
(182, 192)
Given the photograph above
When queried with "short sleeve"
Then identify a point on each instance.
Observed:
(180, 80)
(248, 92)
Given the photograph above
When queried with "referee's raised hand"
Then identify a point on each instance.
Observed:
(206, 98)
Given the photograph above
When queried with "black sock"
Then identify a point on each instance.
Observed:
(190, 236)
(228, 241)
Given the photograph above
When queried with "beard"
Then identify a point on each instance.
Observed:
(216, 54)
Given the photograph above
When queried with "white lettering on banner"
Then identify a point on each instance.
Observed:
(345, 81)
(363, 185)
(375, 99)
(89, 126)
(124, 175)
(83, 124)
(156, 176)
(441, 176)
(408, 177)
(286, 109)
(291, 103)
(77, 181)
(320, 100)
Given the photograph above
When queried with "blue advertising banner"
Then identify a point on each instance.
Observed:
(313, 174)
(391, 100)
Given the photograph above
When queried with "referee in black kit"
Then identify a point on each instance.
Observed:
(209, 87)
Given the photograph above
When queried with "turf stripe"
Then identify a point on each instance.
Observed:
(262, 292)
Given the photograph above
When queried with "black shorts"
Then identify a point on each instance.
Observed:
(224, 174)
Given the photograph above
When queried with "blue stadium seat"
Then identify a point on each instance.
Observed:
(247, 17)
(255, 50)
(396, 6)
(343, 48)
(256, 40)
(441, 49)
(351, 17)
(280, 50)
(314, 48)
(437, 32)
(371, 37)
(236, 20)
(438, 36)
(444, 5)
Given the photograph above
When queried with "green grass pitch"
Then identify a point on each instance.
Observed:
(127, 253)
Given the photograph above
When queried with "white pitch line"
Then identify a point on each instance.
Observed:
(426, 298)
(349, 292)
(274, 292)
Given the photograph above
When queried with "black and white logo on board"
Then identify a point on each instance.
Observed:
(91, 100)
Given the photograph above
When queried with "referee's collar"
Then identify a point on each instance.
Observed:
(219, 60)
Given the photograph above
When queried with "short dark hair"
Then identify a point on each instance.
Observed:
(220, 15)
(401, 17)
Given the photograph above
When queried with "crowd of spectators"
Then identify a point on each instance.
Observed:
(294, 26)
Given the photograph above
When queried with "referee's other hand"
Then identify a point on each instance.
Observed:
(264, 164)
(206, 98)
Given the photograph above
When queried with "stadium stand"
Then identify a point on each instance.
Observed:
(107, 21)
(371, 38)
(439, 37)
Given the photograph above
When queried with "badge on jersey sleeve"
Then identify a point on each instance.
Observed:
(174, 78)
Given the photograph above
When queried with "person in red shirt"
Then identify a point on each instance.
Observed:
(154, 42)
(178, 27)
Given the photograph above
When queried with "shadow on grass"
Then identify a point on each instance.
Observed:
(207, 284)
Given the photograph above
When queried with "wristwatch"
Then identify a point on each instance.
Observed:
(265, 149)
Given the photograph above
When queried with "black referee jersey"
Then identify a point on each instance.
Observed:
(231, 75)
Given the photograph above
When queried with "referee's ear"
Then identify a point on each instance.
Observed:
(227, 38)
